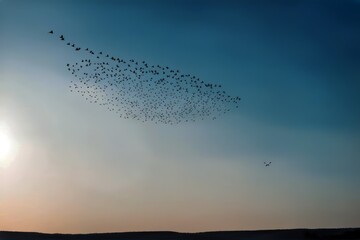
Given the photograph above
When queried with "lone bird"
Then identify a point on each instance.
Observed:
(51, 32)
(267, 164)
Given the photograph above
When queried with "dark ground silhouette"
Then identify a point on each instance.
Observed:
(291, 234)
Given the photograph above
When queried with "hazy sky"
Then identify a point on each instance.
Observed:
(79, 168)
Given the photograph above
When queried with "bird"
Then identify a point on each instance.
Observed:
(267, 164)
(51, 32)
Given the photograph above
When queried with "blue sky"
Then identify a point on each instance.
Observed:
(295, 64)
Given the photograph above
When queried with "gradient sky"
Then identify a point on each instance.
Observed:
(79, 168)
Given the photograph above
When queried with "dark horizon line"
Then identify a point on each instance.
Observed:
(195, 232)
(283, 234)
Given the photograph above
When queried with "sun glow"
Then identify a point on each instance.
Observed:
(6, 146)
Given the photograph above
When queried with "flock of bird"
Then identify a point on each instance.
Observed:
(141, 91)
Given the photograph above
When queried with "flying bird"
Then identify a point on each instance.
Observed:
(267, 164)
(51, 32)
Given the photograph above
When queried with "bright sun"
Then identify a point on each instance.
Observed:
(6, 146)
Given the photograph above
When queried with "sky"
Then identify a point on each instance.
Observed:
(75, 167)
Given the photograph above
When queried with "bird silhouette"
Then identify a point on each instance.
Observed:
(267, 164)
(51, 32)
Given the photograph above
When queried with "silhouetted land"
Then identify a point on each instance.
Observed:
(291, 234)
